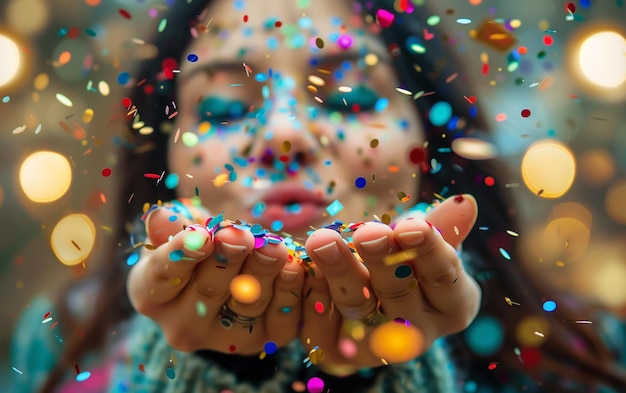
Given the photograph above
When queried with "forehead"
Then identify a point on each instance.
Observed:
(266, 29)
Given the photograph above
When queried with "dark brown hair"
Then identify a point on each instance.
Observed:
(147, 154)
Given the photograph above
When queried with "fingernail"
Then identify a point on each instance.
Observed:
(329, 253)
(412, 238)
(265, 258)
(375, 245)
(193, 253)
(288, 275)
(233, 249)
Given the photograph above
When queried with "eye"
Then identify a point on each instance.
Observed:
(362, 96)
(217, 109)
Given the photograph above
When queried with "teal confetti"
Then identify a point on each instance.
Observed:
(334, 208)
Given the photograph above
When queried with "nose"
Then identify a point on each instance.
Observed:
(287, 139)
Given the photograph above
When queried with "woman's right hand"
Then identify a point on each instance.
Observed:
(184, 282)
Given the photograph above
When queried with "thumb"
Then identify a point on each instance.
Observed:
(455, 217)
(165, 221)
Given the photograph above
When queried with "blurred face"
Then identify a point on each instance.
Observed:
(297, 118)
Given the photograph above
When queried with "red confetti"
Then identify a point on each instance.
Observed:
(548, 40)
(46, 315)
(470, 99)
(245, 18)
(124, 13)
(570, 8)
(278, 23)
(485, 69)
(490, 181)
(152, 175)
(142, 368)
(127, 102)
(531, 357)
(232, 348)
(106, 172)
(73, 32)
(76, 368)
(492, 366)
(525, 112)
(319, 307)
(169, 73)
(417, 155)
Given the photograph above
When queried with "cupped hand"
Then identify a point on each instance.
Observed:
(184, 282)
(408, 289)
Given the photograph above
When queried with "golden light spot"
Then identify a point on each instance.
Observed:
(596, 166)
(396, 342)
(532, 331)
(73, 238)
(614, 202)
(45, 176)
(245, 288)
(602, 60)
(548, 169)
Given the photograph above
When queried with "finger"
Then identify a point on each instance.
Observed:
(442, 280)
(282, 316)
(211, 283)
(394, 284)
(348, 279)
(454, 218)
(161, 274)
(263, 265)
(172, 217)
(321, 323)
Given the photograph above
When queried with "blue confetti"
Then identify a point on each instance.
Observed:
(549, 305)
(83, 376)
(192, 57)
(270, 347)
(132, 259)
(360, 182)
(505, 253)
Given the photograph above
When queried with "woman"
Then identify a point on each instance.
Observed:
(289, 151)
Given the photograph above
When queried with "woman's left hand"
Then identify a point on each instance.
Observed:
(410, 273)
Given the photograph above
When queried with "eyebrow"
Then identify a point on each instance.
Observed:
(235, 66)
(218, 65)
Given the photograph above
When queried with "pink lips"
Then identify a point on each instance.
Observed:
(296, 207)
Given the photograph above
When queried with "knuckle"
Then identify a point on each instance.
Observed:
(180, 338)
(214, 294)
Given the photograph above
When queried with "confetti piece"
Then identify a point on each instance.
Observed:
(384, 18)
(83, 376)
(334, 207)
(504, 253)
(124, 13)
(549, 305)
(495, 35)
(64, 100)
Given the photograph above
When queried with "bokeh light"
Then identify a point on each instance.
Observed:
(27, 16)
(596, 166)
(73, 238)
(484, 336)
(602, 60)
(548, 168)
(532, 331)
(474, 149)
(11, 60)
(614, 202)
(45, 176)
(607, 280)
(396, 342)
(245, 288)
(567, 235)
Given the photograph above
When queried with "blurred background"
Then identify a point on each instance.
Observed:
(551, 78)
